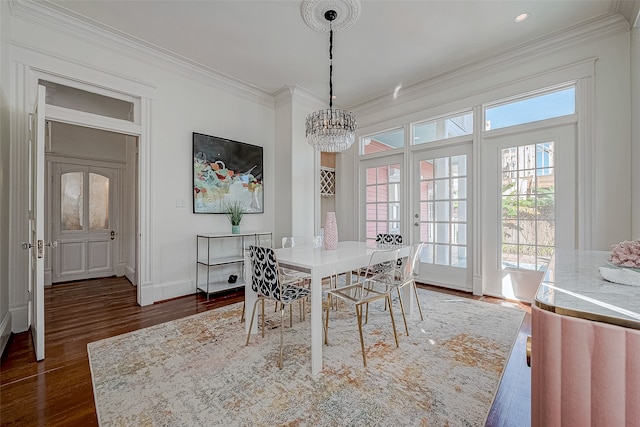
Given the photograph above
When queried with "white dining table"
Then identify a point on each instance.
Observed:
(320, 262)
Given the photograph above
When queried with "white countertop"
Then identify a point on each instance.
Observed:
(573, 286)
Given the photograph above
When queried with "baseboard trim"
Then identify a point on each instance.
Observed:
(130, 273)
(5, 331)
(19, 318)
(168, 290)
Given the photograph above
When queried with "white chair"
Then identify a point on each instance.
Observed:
(407, 277)
(370, 288)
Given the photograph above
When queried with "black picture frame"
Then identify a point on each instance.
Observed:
(226, 171)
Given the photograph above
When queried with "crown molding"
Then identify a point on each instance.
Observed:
(630, 9)
(289, 94)
(598, 28)
(64, 21)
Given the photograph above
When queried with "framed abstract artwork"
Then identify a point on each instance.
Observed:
(226, 171)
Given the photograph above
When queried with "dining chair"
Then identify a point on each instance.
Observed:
(369, 288)
(290, 273)
(268, 283)
(407, 277)
(384, 239)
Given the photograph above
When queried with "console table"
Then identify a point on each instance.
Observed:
(222, 254)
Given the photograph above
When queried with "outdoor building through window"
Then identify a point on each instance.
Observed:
(528, 205)
(383, 141)
(382, 201)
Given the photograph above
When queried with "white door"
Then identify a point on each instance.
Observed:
(528, 206)
(83, 222)
(36, 223)
(441, 215)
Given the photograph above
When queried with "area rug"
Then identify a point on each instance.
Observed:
(197, 371)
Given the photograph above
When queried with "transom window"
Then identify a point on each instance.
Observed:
(556, 103)
(443, 128)
(383, 141)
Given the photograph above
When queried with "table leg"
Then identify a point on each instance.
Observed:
(408, 299)
(250, 297)
(316, 323)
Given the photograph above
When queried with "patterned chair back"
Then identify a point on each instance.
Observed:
(390, 239)
(265, 280)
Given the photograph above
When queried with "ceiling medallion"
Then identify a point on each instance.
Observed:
(313, 14)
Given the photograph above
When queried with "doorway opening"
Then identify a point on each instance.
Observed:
(91, 203)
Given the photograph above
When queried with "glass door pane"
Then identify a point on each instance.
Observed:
(98, 202)
(440, 184)
(383, 198)
(72, 201)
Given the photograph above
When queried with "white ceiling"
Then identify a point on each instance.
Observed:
(267, 45)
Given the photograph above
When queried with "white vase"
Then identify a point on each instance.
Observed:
(330, 231)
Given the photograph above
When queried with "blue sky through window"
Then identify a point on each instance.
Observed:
(547, 106)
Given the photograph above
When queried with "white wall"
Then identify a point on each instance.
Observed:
(518, 73)
(635, 132)
(297, 166)
(5, 317)
(183, 101)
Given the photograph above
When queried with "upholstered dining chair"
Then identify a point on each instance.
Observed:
(407, 277)
(267, 282)
(370, 288)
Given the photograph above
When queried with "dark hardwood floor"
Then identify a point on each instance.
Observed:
(58, 390)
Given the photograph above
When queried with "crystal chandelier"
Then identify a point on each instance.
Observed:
(331, 130)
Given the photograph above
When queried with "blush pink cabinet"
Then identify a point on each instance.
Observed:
(585, 346)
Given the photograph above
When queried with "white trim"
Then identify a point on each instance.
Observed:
(168, 290)
(146, 294)
(88, 161)
(586, 149)
(64, 21)
(18, 221)
(66, 73)
(95, 121)
(19, 318)
(5, 331)
(476, 192)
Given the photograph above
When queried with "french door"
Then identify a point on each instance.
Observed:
(528, 206)
(441, 216)
(83, 222)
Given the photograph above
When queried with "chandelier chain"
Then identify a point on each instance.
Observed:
(330, 66)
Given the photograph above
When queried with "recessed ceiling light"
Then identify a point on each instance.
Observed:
(522, 17)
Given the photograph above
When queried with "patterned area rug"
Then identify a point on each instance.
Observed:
(196, 371)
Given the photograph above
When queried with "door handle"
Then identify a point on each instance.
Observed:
(113, 234)
(417, 224)
(26, 245)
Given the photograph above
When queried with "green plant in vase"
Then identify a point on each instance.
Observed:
(235, 211)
